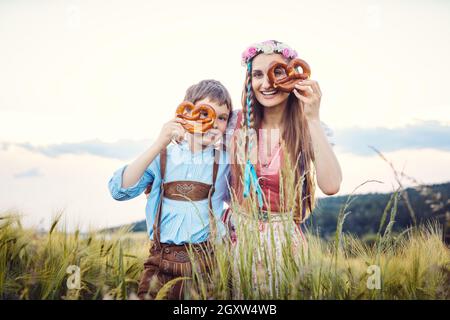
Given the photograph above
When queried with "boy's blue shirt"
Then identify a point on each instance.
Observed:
(181, 221)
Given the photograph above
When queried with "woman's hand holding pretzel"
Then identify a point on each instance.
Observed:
(306, 90)
(309, 96)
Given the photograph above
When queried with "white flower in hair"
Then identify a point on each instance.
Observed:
(267, 49)
(281, 46)
(259, 46)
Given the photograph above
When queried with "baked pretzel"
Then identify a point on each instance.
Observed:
(288, 83)
(200, 119)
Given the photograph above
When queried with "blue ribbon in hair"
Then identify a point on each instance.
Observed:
(250, 177)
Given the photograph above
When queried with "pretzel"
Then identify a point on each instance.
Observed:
(195, 123)
(288, 83)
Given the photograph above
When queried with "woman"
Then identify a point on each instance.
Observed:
(278, 133)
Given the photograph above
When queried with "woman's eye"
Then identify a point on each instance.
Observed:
(279, 72)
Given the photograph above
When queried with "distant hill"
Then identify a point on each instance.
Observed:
(432, 202)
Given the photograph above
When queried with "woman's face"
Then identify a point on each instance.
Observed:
(266, 95)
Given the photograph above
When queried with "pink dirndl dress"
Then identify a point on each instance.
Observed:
(269, 180)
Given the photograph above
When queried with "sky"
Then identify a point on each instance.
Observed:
(87, 85)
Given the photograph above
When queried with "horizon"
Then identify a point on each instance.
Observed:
(42, 229)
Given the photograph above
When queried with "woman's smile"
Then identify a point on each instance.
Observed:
(269, 94)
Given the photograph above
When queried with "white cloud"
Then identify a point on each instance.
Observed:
(123, 149)
(30, 173)
(420, 135)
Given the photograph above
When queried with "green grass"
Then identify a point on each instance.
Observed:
(414, 265)
(34, 265)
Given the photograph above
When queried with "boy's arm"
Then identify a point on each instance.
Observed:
(130, 181)
(119, 193)
(137, 168)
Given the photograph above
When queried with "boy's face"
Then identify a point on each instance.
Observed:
(220, 124)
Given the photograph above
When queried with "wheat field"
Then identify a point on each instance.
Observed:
(413, 265)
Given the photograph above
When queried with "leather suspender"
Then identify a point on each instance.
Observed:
(163, 186)
(212, 220)
(157, 223)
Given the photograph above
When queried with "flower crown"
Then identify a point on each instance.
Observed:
(268, 47)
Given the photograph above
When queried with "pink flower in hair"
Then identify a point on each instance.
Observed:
(286, 53)
(251, 52)
(248, 54)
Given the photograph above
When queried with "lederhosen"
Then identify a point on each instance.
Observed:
(170, 261)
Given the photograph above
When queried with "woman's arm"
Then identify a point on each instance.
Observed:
(328, 170)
